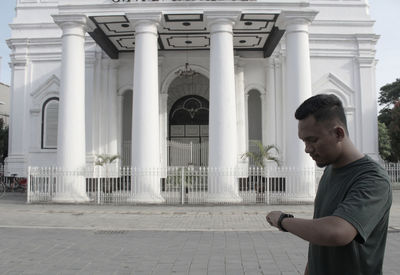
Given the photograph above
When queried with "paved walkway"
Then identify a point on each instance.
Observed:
(88, 239)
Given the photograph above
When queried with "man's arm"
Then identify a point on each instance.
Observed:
(326, 231)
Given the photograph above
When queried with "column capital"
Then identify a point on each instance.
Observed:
(18, 64)
(72, 24)
(366, 61)
(221, 19)
(70, 19)
(239, 63)
(294, 17)
(269, 62)
(114, 64)
(139, 18)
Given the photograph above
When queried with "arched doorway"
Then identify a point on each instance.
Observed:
(188, 116)
(188, 131)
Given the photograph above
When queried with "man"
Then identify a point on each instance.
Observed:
(347, 234)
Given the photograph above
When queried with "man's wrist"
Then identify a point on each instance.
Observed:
(281, 218)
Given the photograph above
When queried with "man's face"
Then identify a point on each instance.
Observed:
(320, 139)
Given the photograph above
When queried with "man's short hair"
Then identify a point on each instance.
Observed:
(324, 108)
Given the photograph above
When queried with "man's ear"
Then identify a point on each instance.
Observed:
(340, 133)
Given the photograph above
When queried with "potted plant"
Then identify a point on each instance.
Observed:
(262, 156)
(105, 160)
(264, 153)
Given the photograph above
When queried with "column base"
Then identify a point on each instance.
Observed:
(146, 198)
(224, 198)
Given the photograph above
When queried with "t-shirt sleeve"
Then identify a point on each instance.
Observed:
(365, 205)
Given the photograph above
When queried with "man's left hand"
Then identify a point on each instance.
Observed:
(273, 217)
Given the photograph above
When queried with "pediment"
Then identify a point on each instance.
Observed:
(50, 88)
(332, 84)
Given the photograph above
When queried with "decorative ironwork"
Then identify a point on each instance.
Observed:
(186, 72)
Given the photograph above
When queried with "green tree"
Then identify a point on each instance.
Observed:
(390, 115)
(3, 141)
(390, 94)
(394, 132)
(385, 148)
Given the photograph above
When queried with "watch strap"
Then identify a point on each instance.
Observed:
(281, 218)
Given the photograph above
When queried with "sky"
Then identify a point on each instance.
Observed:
(384, 12)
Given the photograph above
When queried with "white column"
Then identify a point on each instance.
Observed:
(222, 127)
(71, 150)
(269, 103)
(366, 63)
(145, 117)
(297, 89)
(298, 81)
(16, 160)
(240, 115)
(113, 112)
(120, 102)
(279, 104)
(164, 129)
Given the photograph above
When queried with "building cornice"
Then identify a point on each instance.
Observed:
(335, 4)
(343, 23)
(180, 6)
(21, 26)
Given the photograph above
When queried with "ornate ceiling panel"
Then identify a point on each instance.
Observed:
(254, 31)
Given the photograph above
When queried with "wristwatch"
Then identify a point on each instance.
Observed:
(281, 218)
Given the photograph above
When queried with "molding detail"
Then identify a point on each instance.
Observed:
(332, 84)
(49, 89)
(255, 86)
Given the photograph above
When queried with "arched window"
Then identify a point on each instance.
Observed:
(50, 123)
(254, 115)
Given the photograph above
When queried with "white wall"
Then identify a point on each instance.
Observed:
(342, 48)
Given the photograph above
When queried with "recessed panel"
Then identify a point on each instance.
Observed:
(117, 28)
(110, 19)
(124, 43)
(186, 26)
(249, 41)
(257, 17)
(185, 42)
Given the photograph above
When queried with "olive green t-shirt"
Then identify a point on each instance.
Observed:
(360, 193)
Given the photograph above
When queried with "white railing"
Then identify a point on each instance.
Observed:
(185, 154)
(179, 153)
(178, 185)
(393, 170)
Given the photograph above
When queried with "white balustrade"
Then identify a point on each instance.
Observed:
(178, 185)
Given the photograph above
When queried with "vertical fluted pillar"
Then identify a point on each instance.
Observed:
(269, 103)
(298, 89)
(298, 81)
(222, 126)
(71, 149)
(145, 110)
(112, 130)
(240, 115)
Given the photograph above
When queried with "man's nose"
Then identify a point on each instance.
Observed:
(308, 149)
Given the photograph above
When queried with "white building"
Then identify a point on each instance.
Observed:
(4, 102)
(77, 64)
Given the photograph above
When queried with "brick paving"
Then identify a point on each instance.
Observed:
(87, 239)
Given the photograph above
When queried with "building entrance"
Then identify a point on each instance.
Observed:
(188, 132)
